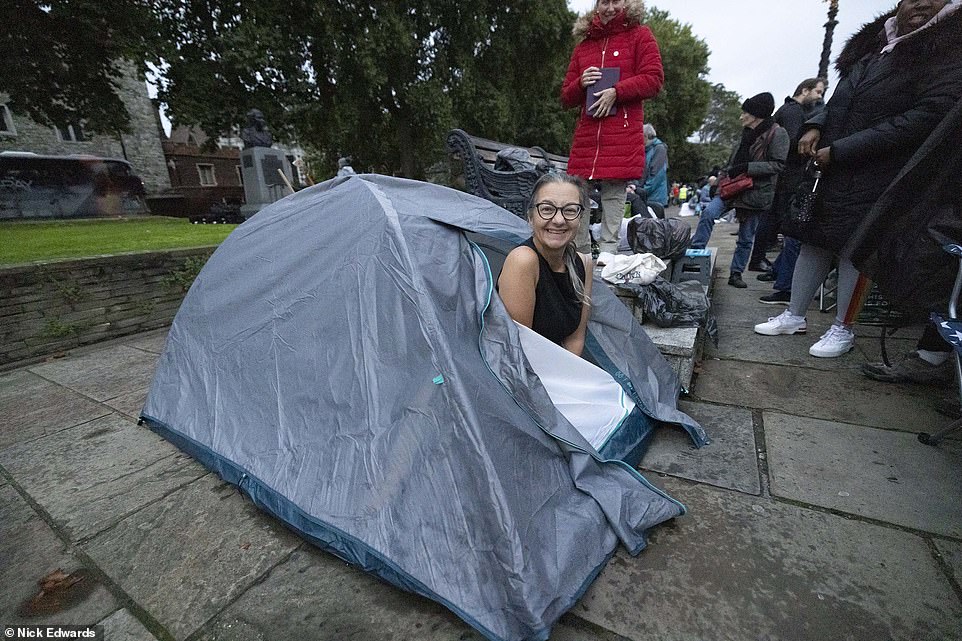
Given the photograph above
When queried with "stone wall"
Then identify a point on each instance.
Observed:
(47, 308)
(141, 147)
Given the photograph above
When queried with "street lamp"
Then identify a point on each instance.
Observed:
(829, 32)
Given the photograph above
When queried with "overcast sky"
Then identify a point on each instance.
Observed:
(764, 45)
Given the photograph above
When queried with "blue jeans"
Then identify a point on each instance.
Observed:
(784, 265)
(743, 246)
(712, 212)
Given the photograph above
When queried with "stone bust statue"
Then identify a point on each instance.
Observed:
(256, 133)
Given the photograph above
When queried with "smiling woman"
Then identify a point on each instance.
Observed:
(543, 283)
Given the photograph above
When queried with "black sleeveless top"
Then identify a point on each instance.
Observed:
(557, 310)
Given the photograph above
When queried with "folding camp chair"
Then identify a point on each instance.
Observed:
(951, 330)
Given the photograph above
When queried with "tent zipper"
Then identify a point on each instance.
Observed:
(594, 163)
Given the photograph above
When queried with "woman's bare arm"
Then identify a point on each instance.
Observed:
(517, 283)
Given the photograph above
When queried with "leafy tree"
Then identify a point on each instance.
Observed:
(381, 80)
(719, 133)
(513, 92)
(60, 60)
(721, 125)
(680, 108)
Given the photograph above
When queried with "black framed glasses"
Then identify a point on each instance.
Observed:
(571, 211)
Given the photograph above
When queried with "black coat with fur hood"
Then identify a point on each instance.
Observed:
(899, 243)
(883, 109)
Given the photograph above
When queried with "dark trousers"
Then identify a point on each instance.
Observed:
(771, 221)
(932, 341)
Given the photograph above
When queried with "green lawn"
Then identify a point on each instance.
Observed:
(27, 241)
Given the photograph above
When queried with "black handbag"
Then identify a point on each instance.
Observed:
(805, 205)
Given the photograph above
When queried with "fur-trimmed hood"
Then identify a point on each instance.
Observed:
(942, 39)
(634, 11)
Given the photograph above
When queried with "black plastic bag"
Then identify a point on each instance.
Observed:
(681, 305)
(665, 238)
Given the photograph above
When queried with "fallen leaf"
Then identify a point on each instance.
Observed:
(59, 591)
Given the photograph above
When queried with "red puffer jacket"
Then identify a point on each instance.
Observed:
(613, 147)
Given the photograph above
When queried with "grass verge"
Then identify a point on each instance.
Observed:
(29, 241)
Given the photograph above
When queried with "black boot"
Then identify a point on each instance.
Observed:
(735, 280)
(761, 265)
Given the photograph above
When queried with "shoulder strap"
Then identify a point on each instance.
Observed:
(761, 145)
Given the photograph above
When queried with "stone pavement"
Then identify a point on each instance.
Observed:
(814, 515)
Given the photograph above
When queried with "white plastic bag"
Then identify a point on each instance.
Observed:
(638, 269)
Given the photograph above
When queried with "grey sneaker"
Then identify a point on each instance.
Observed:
(911, 369)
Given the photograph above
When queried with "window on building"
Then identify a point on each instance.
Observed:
(240, 176)
(6, 122)
(71, 132)
(206, 174)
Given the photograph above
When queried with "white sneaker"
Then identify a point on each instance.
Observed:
(835, 342)
(784, 323)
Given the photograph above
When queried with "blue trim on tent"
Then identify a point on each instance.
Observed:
(605, 363)
(593, 454)
(631, 439)
(325, 536)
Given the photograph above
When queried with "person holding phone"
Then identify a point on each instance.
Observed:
(609, 140)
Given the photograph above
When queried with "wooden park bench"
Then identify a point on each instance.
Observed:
(508, 189)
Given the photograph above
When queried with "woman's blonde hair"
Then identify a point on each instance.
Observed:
(571, 257)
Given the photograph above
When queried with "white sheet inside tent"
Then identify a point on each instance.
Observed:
(585, 394)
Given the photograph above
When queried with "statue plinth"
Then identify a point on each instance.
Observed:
(263, 184)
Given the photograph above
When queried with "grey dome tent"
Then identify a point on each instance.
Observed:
(343, 360)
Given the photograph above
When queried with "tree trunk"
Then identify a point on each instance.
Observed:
(827, 43)
(406, 146)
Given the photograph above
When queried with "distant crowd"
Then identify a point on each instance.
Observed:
(808, 179)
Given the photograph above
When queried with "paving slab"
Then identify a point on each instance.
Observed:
(951, 552)
(123, 626)
(741, 343)
(92, 476)
(879, 474)
(103, 374)
(186, 557)
(305, 598)
(31, 407)
(738, 567)
(149, 341)
(730, 461)
(30, 550)
(844, 396)
(129, 404)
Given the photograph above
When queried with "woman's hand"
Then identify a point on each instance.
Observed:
(590, 76)
(606, 100)
(823, 156)
(808, 142)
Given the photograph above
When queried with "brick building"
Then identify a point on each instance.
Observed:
(203, 171)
